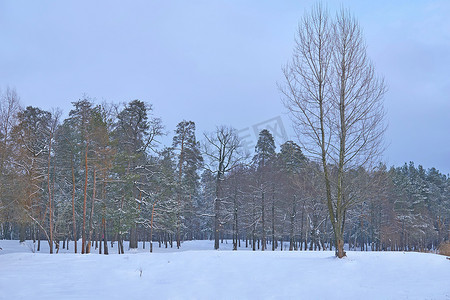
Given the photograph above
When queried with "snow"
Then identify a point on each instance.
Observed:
(196, 272)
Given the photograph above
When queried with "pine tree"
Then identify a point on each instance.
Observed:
(291, 162)
(263, 159)
(189, 162)
(33, 135)
(68, 157)
(81, 118)
(135, 133)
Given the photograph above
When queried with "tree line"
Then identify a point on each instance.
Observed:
(102, 175)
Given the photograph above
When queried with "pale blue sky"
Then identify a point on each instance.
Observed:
(217, 62)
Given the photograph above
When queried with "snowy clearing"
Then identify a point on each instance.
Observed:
(195, 272)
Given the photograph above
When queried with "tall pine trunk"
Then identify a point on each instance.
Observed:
(263, 242)
(91, 218)
(74, 223)
(83, 232)
(291, 233)
(151, 229)
(273, 221)
(180, 205)
(103, 231)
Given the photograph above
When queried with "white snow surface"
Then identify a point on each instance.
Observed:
(196, 272)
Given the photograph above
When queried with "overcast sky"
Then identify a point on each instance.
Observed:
(218, 62)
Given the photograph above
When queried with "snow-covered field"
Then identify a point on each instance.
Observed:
(196, 272)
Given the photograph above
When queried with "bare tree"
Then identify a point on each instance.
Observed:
(335, 100)
(9, 107)
(222, 149)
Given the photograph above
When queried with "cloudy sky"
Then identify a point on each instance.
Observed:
(218, 62)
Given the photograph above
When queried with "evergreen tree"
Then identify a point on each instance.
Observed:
(189, 162)
(33, 136)
(291, 158)
(135, 133)
(81, 118)
(68, 157)
(265, 148)
(263, 159)
(290, 162)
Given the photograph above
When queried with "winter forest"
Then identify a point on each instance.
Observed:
(100, 175)
(109, 200)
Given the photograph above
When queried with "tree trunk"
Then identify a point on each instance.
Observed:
(39, 239)
(235, 225)
(151, 229)
(291, 233)
(91, 218)
(217, 211)
(263, 242)
(74, 223)
(121, 244)
(254, 226)
(50, 242)
(179, 196)
(100, 240)
(103, 227)
(83, 232)
(22, 233)
(133, 237)
(273, 222)
(105, 239)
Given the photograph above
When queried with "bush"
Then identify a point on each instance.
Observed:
(444, 248)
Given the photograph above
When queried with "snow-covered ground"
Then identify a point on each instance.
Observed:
(196, 272)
